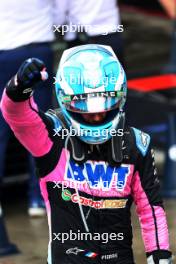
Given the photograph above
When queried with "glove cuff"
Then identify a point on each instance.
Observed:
(17, 92)
(159, 257)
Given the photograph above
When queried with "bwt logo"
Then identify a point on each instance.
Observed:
(98, 175)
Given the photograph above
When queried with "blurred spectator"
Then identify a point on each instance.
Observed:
(93, 22)
(170, 7)
(25, 31)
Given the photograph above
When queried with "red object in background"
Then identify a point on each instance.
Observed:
(153, 83)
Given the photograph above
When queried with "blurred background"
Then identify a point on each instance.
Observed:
(147, 50)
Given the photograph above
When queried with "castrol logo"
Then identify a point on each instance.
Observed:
(100, 204)
(86, 201)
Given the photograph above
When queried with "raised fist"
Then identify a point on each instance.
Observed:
(21, 86)
(30, 72)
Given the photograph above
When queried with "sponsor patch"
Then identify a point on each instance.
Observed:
(69, 98)
(101, 204)
(114, 203)
(99, 175)
(74, 251)
(109, 256)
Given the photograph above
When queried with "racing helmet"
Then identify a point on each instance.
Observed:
(90, 79)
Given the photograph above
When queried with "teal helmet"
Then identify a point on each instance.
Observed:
(90, 79)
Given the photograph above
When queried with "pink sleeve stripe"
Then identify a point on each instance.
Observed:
(162, 227)
(152, 219)
(27, 125)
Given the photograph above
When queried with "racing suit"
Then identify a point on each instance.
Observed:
(89, 202)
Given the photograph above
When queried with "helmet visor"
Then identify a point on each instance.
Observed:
(93, 102)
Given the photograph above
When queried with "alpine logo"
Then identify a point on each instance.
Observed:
(85, 96)
(98, 175)
(144, 139)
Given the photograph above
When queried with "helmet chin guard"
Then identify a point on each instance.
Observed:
(90, 79)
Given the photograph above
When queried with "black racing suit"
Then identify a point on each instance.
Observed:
(89, 202)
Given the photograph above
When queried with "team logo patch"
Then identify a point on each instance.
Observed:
(101, 204)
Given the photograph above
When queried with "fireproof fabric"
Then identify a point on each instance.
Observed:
(104, 192)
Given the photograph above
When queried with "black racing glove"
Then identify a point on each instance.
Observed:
(21, 86)
(159, 257)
